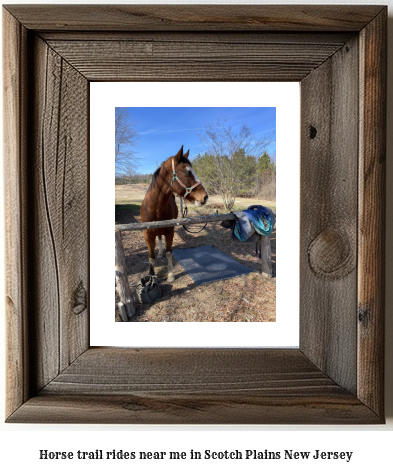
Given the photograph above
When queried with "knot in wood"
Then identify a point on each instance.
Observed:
(330, 254)
(363, 315)
(313, 132)
(79, 299)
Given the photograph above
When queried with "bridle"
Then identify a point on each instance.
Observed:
(175, 177)
(188, 190)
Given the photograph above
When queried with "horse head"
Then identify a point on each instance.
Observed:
(185, 182)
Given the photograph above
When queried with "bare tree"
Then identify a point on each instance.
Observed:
(129, 171)
(229, 152)
(125, 140)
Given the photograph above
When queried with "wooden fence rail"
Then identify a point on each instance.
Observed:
(126, 305)
(176, 222)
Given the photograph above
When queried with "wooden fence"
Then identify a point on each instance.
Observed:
(126, 305)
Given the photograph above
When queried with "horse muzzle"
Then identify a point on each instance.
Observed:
(199, 203)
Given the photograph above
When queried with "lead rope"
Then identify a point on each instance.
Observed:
(184, 214)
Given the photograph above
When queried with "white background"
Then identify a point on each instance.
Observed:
(104, 97)
(19, 444)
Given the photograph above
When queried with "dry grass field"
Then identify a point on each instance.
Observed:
(134, 194)
(249, 298)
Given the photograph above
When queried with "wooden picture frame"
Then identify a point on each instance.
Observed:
(338, 54)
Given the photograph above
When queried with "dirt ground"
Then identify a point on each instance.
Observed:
(248, 298)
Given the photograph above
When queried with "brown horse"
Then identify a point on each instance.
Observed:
(174, 177)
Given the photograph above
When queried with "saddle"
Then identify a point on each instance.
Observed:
(148, 290)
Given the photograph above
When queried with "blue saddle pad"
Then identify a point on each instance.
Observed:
(207, 264)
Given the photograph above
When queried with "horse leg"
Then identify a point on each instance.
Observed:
(151, 245)
(160, 251)
(168, 242)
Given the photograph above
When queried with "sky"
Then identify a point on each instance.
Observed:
(163, 130)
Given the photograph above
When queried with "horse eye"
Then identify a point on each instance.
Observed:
(187, 173)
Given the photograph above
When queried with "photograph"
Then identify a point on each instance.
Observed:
(195, 199)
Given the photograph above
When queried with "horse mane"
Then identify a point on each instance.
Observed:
(154, 179)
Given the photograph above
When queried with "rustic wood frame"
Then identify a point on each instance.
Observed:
(338, 53)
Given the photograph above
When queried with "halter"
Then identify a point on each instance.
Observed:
(174, 177)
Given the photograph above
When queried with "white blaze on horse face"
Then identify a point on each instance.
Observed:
(195, 176)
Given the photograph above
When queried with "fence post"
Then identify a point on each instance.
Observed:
(266, 256)
(126, 305)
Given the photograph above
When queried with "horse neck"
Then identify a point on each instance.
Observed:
(163, 189)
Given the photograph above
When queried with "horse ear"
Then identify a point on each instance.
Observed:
(179, 154)
(186, 155)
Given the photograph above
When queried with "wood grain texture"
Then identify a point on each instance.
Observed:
(201, 37)
(193, 386)
(194, 17)
(14, 75)
(60, 186)
(186, 59)
(328, 251)
(371, 246)
(193, 409)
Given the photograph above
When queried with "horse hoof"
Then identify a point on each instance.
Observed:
(171, 277)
